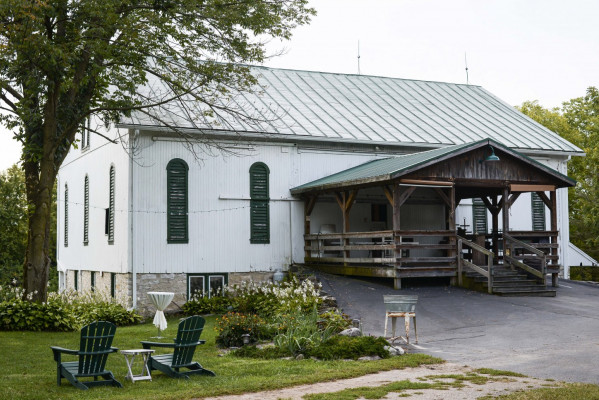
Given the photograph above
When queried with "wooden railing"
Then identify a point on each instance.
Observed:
(512, 244)
(380, 247)
(488, 273)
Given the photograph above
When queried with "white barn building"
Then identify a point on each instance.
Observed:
(145, 214)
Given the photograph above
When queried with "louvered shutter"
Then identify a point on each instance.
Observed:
(177, 201)
(538, 213)
(111, 207)
(259, 206)
(66, 215)
(86, 211)
(479, 216)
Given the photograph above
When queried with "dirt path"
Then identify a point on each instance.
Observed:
(493, 387)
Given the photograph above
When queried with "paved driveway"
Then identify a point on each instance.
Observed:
(542, 337)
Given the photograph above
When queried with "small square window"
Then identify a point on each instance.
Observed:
(216, 285)
(196, 286)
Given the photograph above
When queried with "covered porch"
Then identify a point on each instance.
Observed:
(396, 217)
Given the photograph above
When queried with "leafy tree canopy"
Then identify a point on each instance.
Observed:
(578, 121)
(64, 60)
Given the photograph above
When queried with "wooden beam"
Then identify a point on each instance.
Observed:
(512, 199)
(404, 195)
(425, 182)
(506, 209)
(531, 188)
(397, 202)
(350, 200)
(443, 196)
(545, 199)
(495, 219)
(340, 200)
(494, 209)
(389, 194)
(309, 204)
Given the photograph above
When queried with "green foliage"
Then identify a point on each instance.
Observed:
(13, 224)
(201, 305)
(233, 325)
(578, 122)
(334, 319)
(270, 299)
(578, 273)
(62, 62)
(302, 333)
(346, 347)
(265, 353)
(61, 312)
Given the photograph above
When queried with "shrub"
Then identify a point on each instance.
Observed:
(335, 320)
(201, 304)
(345, 347)
(232, 325)
(302, 333)
(66, 311)
(269, 299)
(265, 353)
(19, 314)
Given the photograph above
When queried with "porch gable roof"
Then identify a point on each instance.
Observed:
(387, 169)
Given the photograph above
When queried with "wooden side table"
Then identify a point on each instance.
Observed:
(130, 358)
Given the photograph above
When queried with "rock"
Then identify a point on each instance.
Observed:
(351, 332)
(369, 358)
(299, 357)
(395, 350)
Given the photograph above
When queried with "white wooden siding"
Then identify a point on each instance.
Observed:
(95, 161)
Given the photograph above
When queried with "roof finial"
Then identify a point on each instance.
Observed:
(466, 63)
(358, 57)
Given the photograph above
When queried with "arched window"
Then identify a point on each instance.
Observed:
(86, 211)
(176, 199)
(66, 215)
(110, 216)
(259, 207)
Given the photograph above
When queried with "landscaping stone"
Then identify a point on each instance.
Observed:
(299, 357)
(369, 358)
(351, 332)
(395, 350)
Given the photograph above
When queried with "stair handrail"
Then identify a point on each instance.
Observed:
(508, 251)
(461, 261)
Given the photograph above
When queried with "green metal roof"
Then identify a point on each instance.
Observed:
(393, 167)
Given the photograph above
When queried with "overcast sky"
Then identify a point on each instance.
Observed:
(546, 50)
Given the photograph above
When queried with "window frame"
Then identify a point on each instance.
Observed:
(206, 281)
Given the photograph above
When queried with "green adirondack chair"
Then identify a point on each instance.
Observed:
(188, 338)
(94, 347)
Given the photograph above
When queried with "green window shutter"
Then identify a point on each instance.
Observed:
(86, 211)
(479, 216)
(111, 207)
(177, 225)
(259, 204)
(66, 215)
(538, 213)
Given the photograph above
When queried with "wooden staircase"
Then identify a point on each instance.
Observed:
(508, 282)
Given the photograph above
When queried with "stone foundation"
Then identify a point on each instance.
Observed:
(176, 283)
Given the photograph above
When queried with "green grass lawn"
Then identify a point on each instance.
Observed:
(29, 370)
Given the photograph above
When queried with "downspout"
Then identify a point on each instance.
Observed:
(132, 137)
(290, 233)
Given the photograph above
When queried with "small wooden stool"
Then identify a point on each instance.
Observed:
(400, 306)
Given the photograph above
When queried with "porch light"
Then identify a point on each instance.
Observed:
(490, 157)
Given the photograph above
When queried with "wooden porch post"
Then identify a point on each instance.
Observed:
(553, 252)
(346, 201)
(308, 207)
(505, 209)
(396, 236)
(452, 227)
(495, 233)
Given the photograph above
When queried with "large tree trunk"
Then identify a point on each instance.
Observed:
(39, 198)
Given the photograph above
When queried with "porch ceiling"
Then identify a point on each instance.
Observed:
(435, 165)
